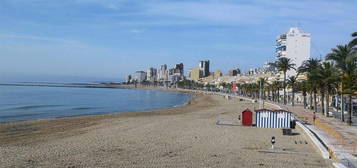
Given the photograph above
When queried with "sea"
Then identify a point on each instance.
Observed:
(20, 103)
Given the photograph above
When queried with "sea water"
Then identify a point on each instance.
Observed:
(18, 103)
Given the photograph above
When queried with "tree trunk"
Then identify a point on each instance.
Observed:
(327, 103)
(349, 121)
(310, 100)
(304, 94)
(293, 94)
(323, 103)
(315, 102)
(342, 105)
(285, 87)
(278, 95)
(342, 109)
(270, 95)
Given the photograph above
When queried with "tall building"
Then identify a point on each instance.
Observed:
(178, 69)
(151, 75)
(204, 65)
(176, 73)
(238, 71)
(234, 72)
(163, 74)
(196, 74)
(139, 76)
(294, 45)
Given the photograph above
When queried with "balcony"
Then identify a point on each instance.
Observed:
(281, 48)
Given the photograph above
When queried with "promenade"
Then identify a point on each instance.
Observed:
(339, 138)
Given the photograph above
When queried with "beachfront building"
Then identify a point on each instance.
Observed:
(196, 74)
(204, 65)
(151, 75)
(213, 76)
(176, 73)
(169, 76)
(234, 72)
(163, 73)
(178, 69)
(139, 76)
(294, 45)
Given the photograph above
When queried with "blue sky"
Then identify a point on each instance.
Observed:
(108, 39)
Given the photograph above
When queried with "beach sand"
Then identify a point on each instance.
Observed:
(176, 137)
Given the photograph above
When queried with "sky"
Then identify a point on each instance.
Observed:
(73, 40)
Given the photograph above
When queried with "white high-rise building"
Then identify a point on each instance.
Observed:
(139, 76)
(163, 74)
(294, 45)
(151, 75)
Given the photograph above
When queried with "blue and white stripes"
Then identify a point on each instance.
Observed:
(273, 119)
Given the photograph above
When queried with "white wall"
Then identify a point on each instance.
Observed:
(297, 47)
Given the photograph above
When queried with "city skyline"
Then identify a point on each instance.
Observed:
(110, 39)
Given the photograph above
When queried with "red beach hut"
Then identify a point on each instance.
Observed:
(247, 117)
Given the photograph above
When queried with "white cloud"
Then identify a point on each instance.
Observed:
(40, 38)
(213, 12)
(222, 12)
(136, 31)
(256, 12)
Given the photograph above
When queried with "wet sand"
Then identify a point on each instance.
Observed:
(176, 137)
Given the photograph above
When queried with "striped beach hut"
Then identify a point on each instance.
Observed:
(266, 118)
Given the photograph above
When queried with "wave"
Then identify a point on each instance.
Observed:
(19, 115)
(29, 107)
(83, 108)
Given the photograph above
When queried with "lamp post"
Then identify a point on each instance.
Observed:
(272, 142)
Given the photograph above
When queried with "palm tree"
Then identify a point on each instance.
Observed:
(310, 67)
(292, 82)
(329, 76)
(319, 75)
(346, 61)
(315, 82)
(261, 83)
(353, 42)
(284, 64)
(303, 87)
(276, 88)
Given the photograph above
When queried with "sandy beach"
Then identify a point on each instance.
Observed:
(176, 137)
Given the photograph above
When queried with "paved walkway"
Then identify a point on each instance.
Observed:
(340, 138)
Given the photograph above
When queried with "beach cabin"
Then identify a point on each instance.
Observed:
(247, 117)
(266, 118)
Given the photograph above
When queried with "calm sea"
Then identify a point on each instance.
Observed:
(18, 103)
